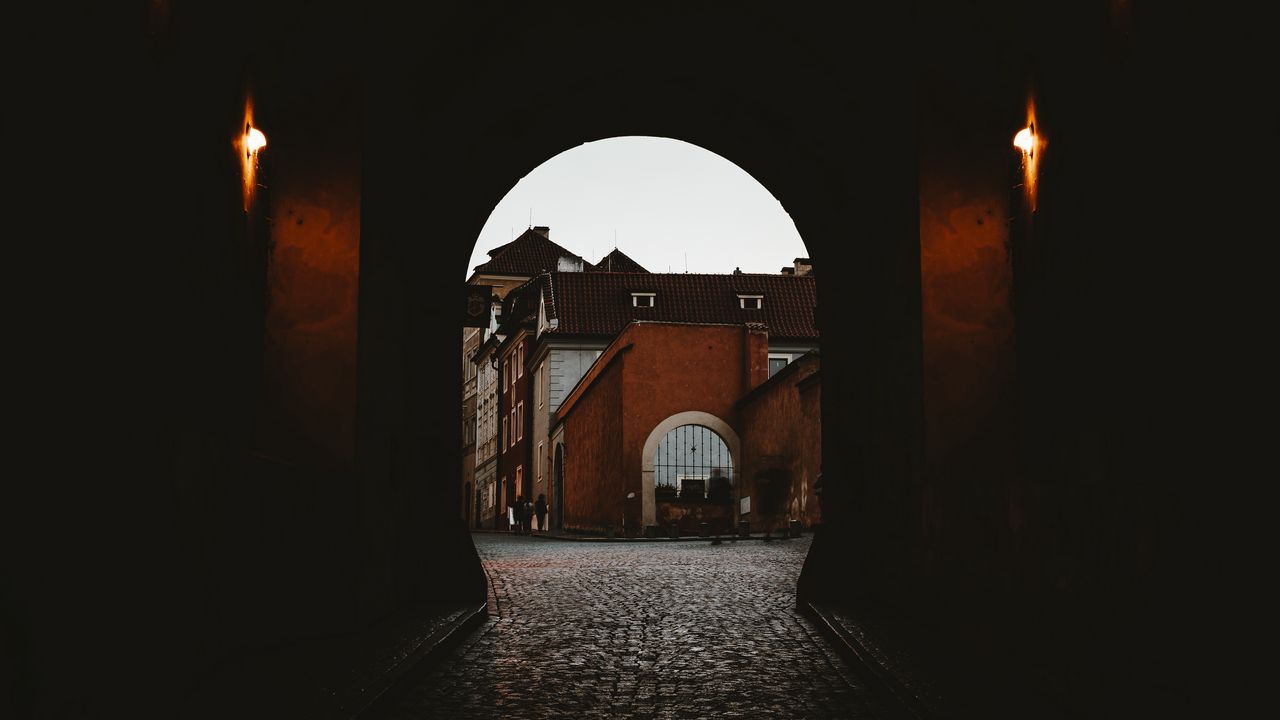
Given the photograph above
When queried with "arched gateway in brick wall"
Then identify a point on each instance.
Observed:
(689, 417)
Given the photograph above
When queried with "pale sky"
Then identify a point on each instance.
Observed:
(663, 198)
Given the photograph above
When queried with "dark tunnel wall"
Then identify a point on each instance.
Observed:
(205, 519)
(260, 452)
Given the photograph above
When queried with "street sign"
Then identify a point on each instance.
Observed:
(476, 312)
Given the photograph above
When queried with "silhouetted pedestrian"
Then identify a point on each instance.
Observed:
(518, 512)
(540, 508)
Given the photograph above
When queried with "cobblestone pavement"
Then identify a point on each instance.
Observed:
(641, 630)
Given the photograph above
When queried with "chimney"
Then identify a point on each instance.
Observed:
(543, 230)
(803, 266)
(788, 270)
(569, 263)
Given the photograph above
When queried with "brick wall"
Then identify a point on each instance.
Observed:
(649, 373)
(782, 447)
(594, 475)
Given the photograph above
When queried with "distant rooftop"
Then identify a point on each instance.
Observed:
(529, 254)
(617, 261)
(600, 303)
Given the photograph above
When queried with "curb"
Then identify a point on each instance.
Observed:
(880, 680)
(682, 538)
(374, 701)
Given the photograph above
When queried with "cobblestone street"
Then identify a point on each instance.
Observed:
(641, 630)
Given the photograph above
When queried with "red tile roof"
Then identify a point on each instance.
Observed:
(617, 261)
(599, 303)
(529, 254)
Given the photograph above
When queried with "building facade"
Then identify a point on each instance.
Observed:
(626, 397)
(782, 444)
(513, 408)
(641, 446)
(649, 432)
(509, 266)
(470, 506)
(488, 439)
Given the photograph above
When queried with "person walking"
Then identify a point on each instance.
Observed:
(540, 509)
(518, 513)
(528, 516)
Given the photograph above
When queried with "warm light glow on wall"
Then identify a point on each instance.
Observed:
(1030, 143)
(248, 144)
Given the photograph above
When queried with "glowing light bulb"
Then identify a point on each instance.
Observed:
(1025, 140)
(254, 140)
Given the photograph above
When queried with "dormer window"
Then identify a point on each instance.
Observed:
(751, 302)
(642, 299)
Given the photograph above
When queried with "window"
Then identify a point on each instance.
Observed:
(506, 374)
(519, 479)
(537, 382)
(751, 302)
(537, 464)
(520, 361)
(642, 299)
(520, 420)
(513, 427)
(504, 429)
(693, 462)
(777, 362)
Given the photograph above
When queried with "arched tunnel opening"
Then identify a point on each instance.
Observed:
(575, 370)
(642, 429)
(262, 366)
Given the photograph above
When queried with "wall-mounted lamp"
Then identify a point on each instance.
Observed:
(1029, 142)
(254, 141)
(249, 144)
(1025, 140)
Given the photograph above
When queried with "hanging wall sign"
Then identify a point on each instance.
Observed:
(476, 313)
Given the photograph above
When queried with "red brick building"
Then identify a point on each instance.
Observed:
(782, 444)
(514, 456)
(653, 432)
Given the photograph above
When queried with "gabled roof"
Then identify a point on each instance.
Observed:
(599, 303)
(520, 308)
(617, 261)
(529, 254)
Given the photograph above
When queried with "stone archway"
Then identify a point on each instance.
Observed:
(689, 417)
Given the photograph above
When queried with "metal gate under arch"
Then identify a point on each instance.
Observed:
(693, 462)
